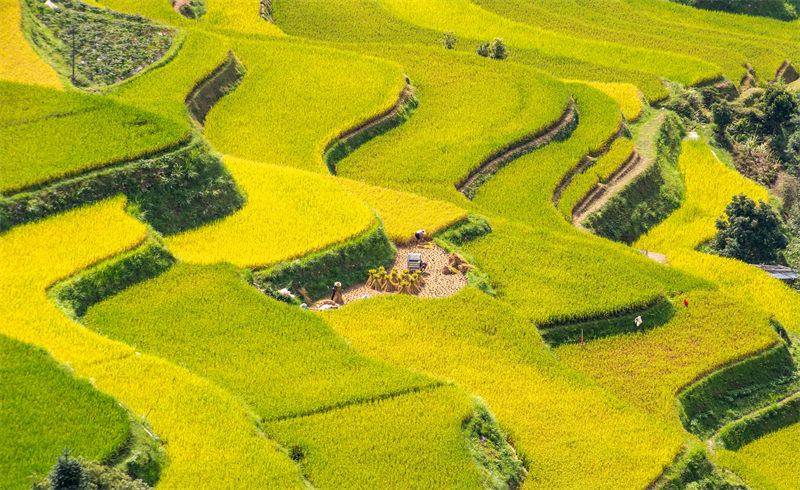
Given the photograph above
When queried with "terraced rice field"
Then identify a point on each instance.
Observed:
(45, 408)
(755, 462)
(343, 128)
(75, 134)
(330, 215)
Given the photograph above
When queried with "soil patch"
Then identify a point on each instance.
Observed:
(437, 284)
(661, 258)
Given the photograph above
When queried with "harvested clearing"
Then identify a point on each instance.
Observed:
(437, 284)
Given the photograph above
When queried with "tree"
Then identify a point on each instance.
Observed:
(483, 50)
(750, 232)
(722, 115)
(449, 40)
(68, 473)
(778, 105)
(498, 50)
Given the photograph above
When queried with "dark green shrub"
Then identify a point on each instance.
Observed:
(449, 40)
(722, 115)
(68, 473)
(779, 105)
(194, 9)
(76, 474)
(498, 49)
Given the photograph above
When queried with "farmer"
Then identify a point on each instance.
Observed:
(686, 303)
(638, 320)
(336, 294)
(420, 235)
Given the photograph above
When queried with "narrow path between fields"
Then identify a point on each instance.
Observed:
(352, 137)
(642, 158)
(584, 163)
(564, 124)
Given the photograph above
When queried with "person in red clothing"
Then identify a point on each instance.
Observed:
(686, 303)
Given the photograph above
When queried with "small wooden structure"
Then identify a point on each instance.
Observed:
(780, 272)
(414, 262)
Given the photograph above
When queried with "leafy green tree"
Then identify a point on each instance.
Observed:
(498, 50)
(483, 50)
(779, 106)
(750, 232)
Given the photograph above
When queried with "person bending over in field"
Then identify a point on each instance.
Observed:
(421, 236)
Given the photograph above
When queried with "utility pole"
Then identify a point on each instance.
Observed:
(73, 54)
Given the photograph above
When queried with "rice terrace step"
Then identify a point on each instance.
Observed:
(351, 244)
